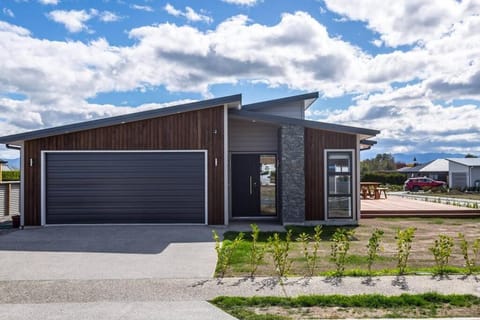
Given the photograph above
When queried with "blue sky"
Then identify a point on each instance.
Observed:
(410, 68)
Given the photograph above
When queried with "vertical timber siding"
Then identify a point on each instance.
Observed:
(189, 130)
(316, 141)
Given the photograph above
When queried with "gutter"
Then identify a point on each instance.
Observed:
(14, 147)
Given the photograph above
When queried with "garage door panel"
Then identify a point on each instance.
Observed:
(125, 187)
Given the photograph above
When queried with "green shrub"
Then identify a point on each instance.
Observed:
(280, 250)
(225, 252)
(385, 178)
(339, 249)
(311, 256)
(404, 245)
(470, 262)
(11, 175)
(441, 250)
(373, 247)
(256, 251)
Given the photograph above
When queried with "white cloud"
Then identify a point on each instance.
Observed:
(411, 95)
(406, 21)
(248, 3)
(47, 2)
(189, 14)
(142, 8)
(8, 12)
(107, 16)
(73, 20)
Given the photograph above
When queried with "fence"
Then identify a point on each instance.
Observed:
(9, 198)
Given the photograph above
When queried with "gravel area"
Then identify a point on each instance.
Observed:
(67, 291)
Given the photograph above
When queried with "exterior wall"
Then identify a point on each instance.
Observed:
(9, 198)
(456, 168)
(316, 141)
(292, 174)
(290, 110)
(248, 136)
(202, 129)
(475, 176)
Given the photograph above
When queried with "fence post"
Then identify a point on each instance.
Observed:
(8, 196)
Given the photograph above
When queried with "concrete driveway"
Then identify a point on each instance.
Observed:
(107, 252)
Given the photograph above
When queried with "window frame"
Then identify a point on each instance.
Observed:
(353, 187)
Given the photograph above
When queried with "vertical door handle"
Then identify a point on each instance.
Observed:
(251, 186)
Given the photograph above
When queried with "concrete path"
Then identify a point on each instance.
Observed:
(107, 252)
(186, 310)
(68, 291)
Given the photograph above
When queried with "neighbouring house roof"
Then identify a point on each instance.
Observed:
(438, 165)
(308, 98)
(269, 118)
(470, 162)
(231, 101)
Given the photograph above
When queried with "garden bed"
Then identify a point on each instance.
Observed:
(421, 260)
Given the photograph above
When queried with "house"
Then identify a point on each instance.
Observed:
(464, 172)
(195, 163)
(435, 169)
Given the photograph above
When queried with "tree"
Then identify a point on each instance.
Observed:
(469, 155)
(381, 162)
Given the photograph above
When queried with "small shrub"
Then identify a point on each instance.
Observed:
(311, 256)
(373, 247)
(441, 250)
(13, 175)
(404, 245)
(470, 262)
(225, 252)
(280, 250)
(339, 249)
(257, 252)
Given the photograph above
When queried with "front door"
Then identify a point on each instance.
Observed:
(253, 185)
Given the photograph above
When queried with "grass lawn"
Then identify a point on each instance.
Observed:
(421, 259)
(359, 306)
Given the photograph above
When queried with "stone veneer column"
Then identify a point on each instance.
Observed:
(292, 174)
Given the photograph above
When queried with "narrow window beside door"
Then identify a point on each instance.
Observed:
(339, 184)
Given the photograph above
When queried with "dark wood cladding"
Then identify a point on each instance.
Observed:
(316, 141)
(194, 130)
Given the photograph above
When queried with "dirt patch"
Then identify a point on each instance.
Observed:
(343, 313)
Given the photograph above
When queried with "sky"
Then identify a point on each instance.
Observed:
(409, 68)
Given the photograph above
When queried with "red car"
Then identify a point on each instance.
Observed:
(416, 184)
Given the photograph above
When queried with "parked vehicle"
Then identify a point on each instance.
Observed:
(416, 184)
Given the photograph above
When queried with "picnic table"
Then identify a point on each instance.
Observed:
(372, 190)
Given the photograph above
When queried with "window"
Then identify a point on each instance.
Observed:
(339, 184)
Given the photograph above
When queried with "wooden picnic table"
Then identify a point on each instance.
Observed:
(372, 190)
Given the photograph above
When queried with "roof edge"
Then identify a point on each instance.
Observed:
(232, 101)
(301, 122)
(268, 103)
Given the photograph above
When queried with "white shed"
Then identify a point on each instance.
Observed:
(463, 172)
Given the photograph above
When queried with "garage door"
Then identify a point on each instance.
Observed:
(124, 187)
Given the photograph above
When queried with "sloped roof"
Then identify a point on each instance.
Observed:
(233, 101)
(470, 162)
(309, 98)
(269, 118)
(438, 165)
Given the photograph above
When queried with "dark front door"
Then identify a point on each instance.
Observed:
(245, 185)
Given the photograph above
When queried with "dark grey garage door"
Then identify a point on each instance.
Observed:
(125, 187)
